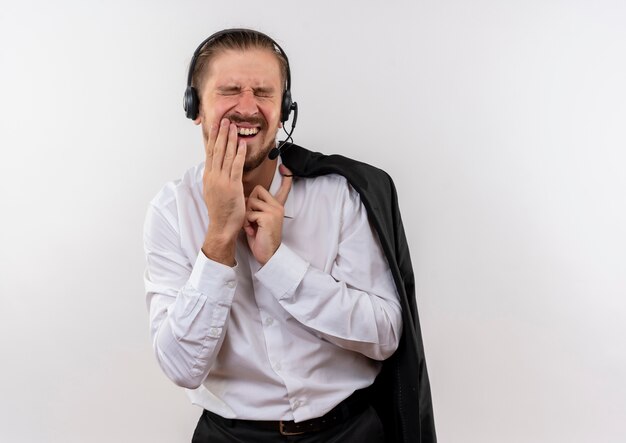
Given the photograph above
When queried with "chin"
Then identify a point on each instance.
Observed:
(257, 158)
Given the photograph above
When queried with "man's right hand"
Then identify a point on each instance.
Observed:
(223, 191)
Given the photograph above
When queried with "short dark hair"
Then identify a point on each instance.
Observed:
(239, 40)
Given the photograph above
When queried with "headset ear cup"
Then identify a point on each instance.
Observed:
(191, 103)
(285, 109)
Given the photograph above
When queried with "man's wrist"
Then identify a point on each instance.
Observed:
(220, 248)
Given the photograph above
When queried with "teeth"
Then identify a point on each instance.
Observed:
(247, 131)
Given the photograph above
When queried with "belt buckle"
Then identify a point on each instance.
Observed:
(287, 433)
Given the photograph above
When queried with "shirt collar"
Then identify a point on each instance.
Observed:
(276, 182)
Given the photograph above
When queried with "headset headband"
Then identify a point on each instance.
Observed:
(196, 54)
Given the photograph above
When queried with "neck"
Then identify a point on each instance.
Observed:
(261, 175)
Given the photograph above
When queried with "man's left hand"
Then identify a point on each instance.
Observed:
(263, 224)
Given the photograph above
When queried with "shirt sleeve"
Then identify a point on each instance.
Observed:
(189, 304)
(355, 305)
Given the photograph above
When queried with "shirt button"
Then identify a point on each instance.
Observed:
(231, 284)
(296, 404)
(277, 366)
(269, 321)
(214, 332)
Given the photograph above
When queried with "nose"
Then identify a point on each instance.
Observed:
(247, 104)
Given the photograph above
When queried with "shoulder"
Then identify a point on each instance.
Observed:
(329, 181)
(178, 194)
(306, 163)
(175, 189)
(374, 186)
(327, 197)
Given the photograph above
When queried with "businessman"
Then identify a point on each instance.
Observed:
(278, 280)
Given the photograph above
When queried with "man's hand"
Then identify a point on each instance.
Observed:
(223, 191)
(264, 218)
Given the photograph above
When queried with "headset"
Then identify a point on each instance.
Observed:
(191, 102)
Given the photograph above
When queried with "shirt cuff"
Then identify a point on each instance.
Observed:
(282, 273)
(210, 277)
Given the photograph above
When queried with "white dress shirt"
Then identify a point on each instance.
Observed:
(285, 341)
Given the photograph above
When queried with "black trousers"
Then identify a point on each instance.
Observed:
(365, 427)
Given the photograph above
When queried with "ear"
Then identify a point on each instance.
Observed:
(198, 120)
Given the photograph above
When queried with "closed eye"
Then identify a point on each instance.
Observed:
(260, 92)
(230, 90)
(264, 92)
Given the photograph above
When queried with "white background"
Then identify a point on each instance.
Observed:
(502, 122)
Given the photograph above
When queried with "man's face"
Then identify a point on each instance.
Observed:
(245, 87)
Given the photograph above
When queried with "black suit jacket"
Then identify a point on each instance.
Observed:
(401, 392)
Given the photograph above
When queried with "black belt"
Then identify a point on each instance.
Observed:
(348, 408)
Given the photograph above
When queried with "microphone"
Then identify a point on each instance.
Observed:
(275, 152)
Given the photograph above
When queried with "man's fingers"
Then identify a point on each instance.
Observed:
(255, 217)
(249, 230)
(285, 185)
(236, 171)
(220, 144)
(279, 198)
(210, 144)
(259, 192)
(256, 204)
(231, 149)
(213, 129)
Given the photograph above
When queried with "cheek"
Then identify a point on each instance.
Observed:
(218, 111)
(214, 110)
(272, 115)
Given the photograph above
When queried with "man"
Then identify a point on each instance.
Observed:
(271, 299)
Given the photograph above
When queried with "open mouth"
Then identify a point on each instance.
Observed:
(247, 132)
